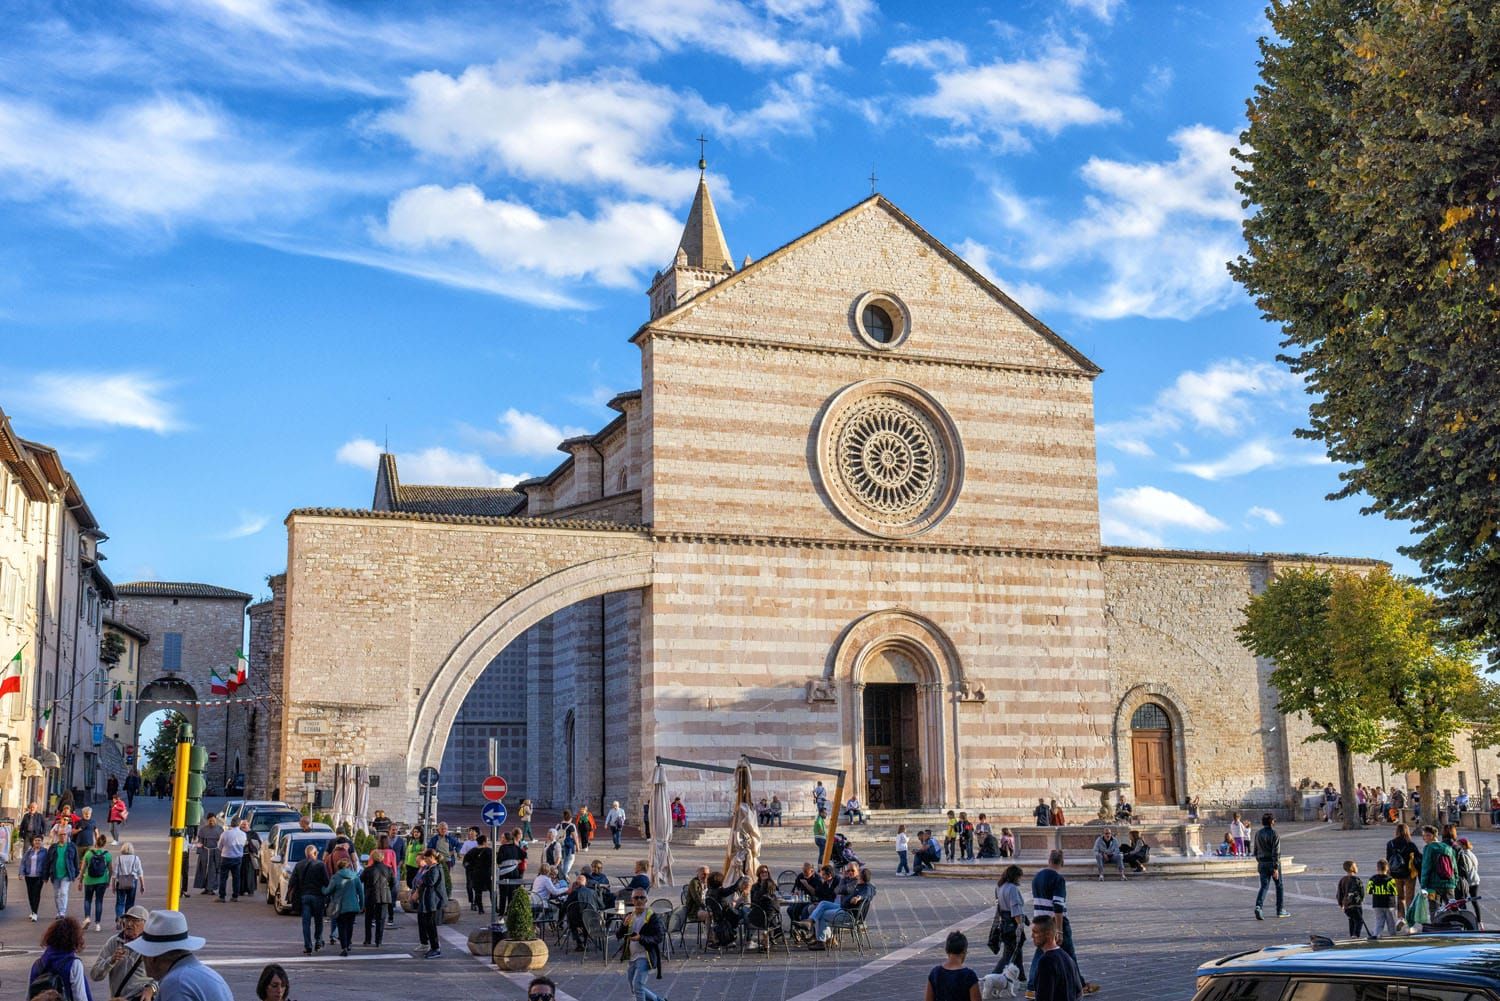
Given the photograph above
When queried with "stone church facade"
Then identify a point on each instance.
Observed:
(850, 518)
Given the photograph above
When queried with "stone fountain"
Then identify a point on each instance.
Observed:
(1106, 813)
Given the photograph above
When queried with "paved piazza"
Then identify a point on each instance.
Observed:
(1140, 939)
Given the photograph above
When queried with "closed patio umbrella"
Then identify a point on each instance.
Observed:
(661, 831)
(744, 829)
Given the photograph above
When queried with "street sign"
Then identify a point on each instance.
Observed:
(312, 764)
(493, 788)
(428, 777)
(213, 755)
(494, 814)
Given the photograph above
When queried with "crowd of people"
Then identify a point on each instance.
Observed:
(68, 851)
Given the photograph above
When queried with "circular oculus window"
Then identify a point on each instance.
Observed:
(881, 320)
(889, 458)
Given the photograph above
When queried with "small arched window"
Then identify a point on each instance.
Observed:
(1150, 717)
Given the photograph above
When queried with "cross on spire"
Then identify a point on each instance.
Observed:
(702, 152)
(873, 179)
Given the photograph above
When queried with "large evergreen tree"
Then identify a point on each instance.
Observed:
(1372, 165)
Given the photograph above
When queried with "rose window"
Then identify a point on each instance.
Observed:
(888, 459)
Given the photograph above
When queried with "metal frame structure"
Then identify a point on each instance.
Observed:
(839, 775)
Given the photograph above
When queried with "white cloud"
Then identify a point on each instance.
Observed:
(1104, 10)
(1247, 458)
(620, 239)
(1000, 102)
(1265, 514)
(1159, 232)
(523, 433)
(161, 160)
(362, 453)
(456, 469)
(435, 466)
(1224, 398)
(1139, 515)
(583, 131)
(1028, 295)
(96, 399)
(249, 524)
(767, 37)
(1107, 469)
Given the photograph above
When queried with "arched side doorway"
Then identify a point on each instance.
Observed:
(1151, 755)
(899, 679)
(1151, 745)
(165, 693)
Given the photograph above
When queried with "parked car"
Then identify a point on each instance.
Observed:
(279, 874)
(235, 807)
(1437, 966)
(270, 844)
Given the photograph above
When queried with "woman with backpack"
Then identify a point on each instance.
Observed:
(1439, 872)
(129, 879)
(1401, 855)
(93, 878)
(60, 968)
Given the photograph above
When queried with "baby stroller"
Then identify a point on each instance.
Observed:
(842, 853)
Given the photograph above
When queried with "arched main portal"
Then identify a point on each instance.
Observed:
(901, 681)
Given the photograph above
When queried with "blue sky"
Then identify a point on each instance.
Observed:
(241, 241)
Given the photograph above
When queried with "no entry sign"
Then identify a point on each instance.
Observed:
(494, 788)
(494, 814)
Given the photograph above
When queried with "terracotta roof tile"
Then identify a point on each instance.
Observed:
(175, 589)
(484, 502)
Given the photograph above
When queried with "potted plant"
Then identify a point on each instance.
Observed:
(520, 950)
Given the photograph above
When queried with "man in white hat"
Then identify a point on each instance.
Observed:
(169, 949)
(126, 970)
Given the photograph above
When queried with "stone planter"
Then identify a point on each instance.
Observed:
(519, 957)
(482, 941)
(451, 913)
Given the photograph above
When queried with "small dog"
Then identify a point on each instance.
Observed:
(1007, 983)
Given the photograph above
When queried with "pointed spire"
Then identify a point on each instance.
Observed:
(702, 239)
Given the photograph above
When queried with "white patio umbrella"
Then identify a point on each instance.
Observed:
(362, 798)
(350, 795)
(336, 808)
(661, 830)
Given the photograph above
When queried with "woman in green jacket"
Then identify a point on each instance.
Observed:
(346, 899)
(93, 878)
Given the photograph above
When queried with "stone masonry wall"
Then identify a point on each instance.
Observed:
(737, 632)
(735, 383)
(267, 634)
(212, 630)
(392, 598)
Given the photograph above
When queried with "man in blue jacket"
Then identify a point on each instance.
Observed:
(62, 869)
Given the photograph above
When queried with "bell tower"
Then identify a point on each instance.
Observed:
(702, 259)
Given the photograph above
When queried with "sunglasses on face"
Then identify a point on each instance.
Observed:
(539, 996)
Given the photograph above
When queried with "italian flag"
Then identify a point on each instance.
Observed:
(10, 679)
(118, 697)
(241, 668)
(216, 684)
(41, 725)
